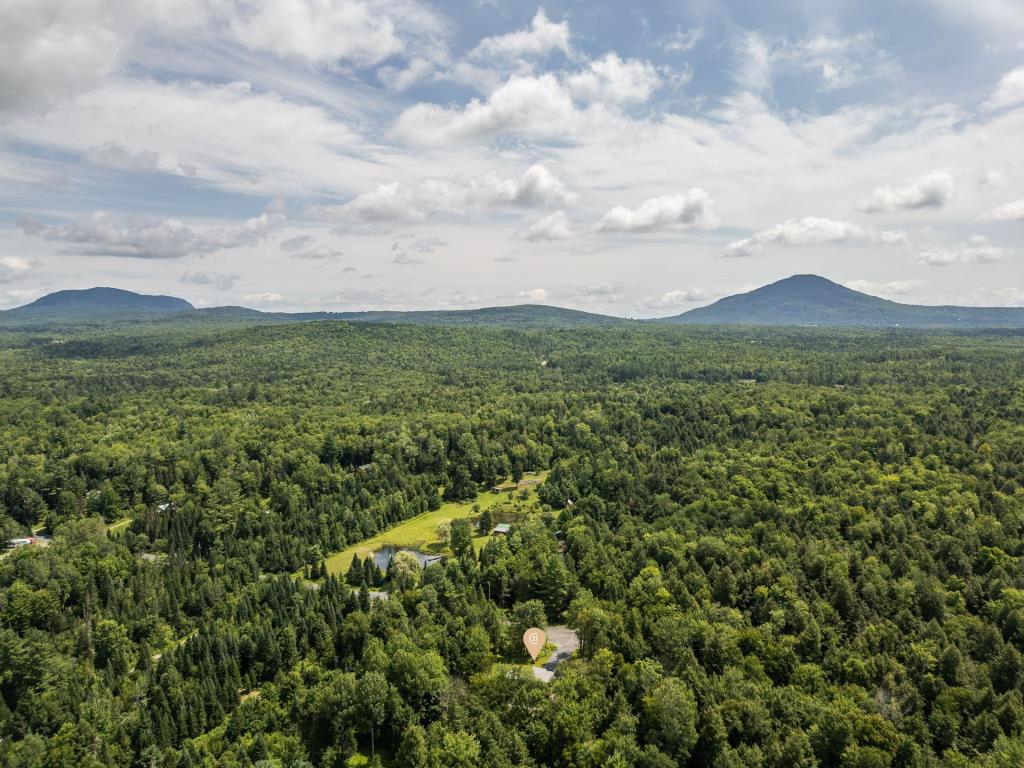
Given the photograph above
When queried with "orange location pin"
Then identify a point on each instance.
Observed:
(533, 639)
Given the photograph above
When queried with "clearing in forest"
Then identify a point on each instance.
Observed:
(420, 532)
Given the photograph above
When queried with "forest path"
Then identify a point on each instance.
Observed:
(566, 643)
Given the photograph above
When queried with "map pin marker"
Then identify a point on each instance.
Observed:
(533, 639)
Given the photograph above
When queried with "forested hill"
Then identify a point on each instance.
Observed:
(813, 300)
(91, 302)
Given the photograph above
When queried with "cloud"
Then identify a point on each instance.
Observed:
(406, 259)
(977, 250)
(524, 104)
(364, 32)
(543, 37)
(931, 191)
(613, 80)
(535, 294)
(680, 41)
(686, 211)
(103, 234)
(298, 243)
(14, 268)
(838, 62)
(810, 230)
(1009, 92)
(676, 298)
(398, 203)
(218, 281)
(318, 253)
(892, 289)
(264, 299)
(419, 245)
(232, 136)
(53, 49)
(752, 68)
(1009, 212)
(552, 227)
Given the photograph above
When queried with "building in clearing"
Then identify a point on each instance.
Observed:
(17, 543)
(501, 529)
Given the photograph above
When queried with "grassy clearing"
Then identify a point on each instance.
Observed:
(420, 532)
(118, 526)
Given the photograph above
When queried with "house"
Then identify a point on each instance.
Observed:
(748, 382)
(17, 543)
(501, 529)
(507, 488)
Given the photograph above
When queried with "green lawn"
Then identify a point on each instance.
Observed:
(420, 532)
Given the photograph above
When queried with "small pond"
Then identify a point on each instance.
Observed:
(383, 556)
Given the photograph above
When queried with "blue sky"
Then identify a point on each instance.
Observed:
(638, 159)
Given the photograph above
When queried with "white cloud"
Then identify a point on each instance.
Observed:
(1009, 212)
(552, 227)
(406, 258)
(676, 298)
(890, 290)
(218, 281)
(931, 191)
(327, 31)
(53, 49)
(398, 203)
(15, 268)
(229, 135)
(298, 243)
(536, 294)
(681, 41)
(838, 62)
(686, 211)
(544, 36)
(265, 298)
(318, 253)
(524, 104)
(615, 81)
(977, 250)
(810, 230)
(752, 70)
(1009, 92)
(103, 234)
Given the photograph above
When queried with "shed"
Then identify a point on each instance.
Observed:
(501, 529)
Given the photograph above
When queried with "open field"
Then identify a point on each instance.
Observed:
(420, 532)
(118, 526)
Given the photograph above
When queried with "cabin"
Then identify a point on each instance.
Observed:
(18, 543)
(501, 529)
(509, 488)
(747, 382)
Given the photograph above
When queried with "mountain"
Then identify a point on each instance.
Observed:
(98, 301)
(797, 300)
(105, 305)
(813, 300)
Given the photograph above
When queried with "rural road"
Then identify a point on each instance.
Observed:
(566, 643)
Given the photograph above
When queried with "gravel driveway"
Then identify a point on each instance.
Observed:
(566, 643)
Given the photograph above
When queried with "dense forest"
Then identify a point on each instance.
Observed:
(778, 548)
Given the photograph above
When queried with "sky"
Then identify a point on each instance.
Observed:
(630, 158)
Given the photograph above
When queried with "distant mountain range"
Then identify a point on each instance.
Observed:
(801, 300)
